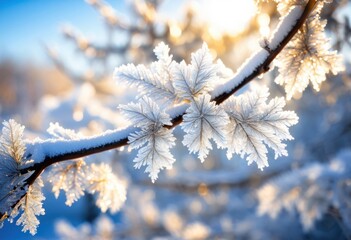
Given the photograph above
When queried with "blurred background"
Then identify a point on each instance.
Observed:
(56, 63)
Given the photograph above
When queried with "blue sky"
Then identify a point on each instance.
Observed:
(25, 25)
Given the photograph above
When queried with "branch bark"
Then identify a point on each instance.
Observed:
(118, 141)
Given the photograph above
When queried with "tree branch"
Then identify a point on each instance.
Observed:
(46, 153)
(118, 138)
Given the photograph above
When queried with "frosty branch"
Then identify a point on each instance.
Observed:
(225, 92)
(198, 96)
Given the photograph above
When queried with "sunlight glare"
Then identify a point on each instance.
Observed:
(227, 16)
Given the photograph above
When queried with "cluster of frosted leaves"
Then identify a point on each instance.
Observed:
(307, 58)
(254, 123)
(14, 189)
(311, 191)
(75, 177)
(247, 125)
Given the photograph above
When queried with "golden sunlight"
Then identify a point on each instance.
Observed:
(227, 16)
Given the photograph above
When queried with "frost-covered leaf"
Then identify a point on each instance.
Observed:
(307, 58)
(11, 141)
(69, 177)
(203, 121)
(153, 141)
(145, 113)
(156, 150)
(254, 123)
(110, 190)
(31, 206)
(155, 81)
(12, 185)
(198, 77)
(12, 182)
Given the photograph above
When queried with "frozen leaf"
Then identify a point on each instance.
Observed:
(69, 177)
(254, 123)
(307, 58)
(11, 141)
(110, 190)
(12, 181)
(154, 82)
(203, 121)
(153, 141)
(197, 78)
(145, 113)
(155, 150)
(31, 206)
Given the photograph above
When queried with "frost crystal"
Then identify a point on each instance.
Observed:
(32, 206)
(11, 141)
(155, 81)
(202, 121)
(198, 77)
(111, 192)
(307, 58)
(153, 141)
(254, 123)
(69, 177)
(12, 182)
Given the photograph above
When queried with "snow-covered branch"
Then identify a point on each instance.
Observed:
(51, 151)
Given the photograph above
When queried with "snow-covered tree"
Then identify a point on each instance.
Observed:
(212, 106)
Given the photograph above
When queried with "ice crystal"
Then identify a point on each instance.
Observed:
(110, 190)
(153, 141)
(31, 206)
(307, 58)
(203, 121)
(255, 124)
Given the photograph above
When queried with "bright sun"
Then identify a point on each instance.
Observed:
(227, 16)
